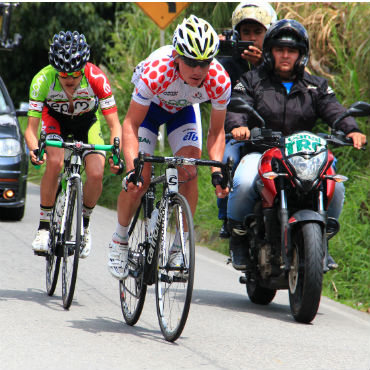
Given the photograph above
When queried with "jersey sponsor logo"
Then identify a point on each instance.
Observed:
(141, 97)
(170, 93)
(190, 136)
(198, 95)
(239, 87)
(79, 106)
(177, 103)
(107, 103)
(144, 140)
(106, 86)
(37, 85)
(35, 105)
(56, 96)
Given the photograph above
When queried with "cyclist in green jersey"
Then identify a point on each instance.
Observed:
(66, 95)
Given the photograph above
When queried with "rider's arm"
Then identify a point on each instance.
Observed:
(114, 126)
(130, 128)
(30, 136)
(216, 143)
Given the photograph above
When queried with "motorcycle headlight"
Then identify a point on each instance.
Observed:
(9, 147)
(307, 169)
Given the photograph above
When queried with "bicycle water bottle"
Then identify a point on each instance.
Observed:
(153, 219)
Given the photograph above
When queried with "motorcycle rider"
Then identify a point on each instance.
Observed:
(289, 99)
(250, 21)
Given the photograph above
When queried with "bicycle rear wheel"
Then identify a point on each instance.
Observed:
(133, 288)
(71, 241)
(174, 286)
(53, 258)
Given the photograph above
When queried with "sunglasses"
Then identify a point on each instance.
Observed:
(196, 63)
(72, 74)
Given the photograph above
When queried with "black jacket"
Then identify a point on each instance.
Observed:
(310, 98)
(235, 67)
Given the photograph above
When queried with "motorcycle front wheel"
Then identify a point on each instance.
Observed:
(306, 274)
(258, 294)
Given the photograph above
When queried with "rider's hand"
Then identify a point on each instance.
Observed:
(252, 55)
(359, 139)
(129, 182)
(241, 133)
(115, 169)
(34, 155)
(218, 182)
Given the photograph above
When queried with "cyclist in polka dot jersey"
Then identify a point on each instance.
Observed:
(169, 85)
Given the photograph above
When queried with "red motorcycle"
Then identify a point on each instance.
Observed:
(288, 232)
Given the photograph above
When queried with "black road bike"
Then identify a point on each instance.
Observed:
(66, 240)
(153, 230)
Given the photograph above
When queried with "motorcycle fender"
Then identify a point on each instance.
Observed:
(305, 215)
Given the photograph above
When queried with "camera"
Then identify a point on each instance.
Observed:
(232, 46)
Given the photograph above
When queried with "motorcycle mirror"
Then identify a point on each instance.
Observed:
(359, 109)
(239, 105)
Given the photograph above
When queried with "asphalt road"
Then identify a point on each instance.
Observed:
(224, 329)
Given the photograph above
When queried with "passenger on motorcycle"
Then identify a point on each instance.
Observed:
(250, 21)
(289, 100)
(66, 95)
(169, 84)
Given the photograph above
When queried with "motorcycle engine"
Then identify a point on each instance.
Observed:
(264, 260)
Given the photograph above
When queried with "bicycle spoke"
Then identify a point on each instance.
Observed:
(133, 289)
(72, 240)
(174, 285)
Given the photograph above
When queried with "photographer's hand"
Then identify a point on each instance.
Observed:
(252, 55)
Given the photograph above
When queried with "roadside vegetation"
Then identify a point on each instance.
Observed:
(340, 52)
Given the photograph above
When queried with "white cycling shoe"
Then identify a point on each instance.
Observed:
(87, 241)
(118, 260)
(41, 241)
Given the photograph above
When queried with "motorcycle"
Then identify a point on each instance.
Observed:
(288, 232)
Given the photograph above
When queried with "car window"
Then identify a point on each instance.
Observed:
(3, 106)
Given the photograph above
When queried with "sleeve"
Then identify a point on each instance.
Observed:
(233, 119)
(220, 86)
(329, 109)
(38, 92)
(142, 94)
(101, 87)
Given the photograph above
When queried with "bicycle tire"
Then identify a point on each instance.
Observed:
(71, 241)
(174, 287)
(52, 259)
(133, 289)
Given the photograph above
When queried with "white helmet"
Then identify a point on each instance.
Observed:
(257, 11)
(196, 39)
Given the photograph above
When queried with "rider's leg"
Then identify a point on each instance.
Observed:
(334, 210)
(48, 189)
(241, 203)
(232, 149)
(94, 169)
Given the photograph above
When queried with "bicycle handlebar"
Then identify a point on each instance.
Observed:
(226, 168)
(80, 147)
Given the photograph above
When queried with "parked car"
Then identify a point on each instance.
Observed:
(13, 159)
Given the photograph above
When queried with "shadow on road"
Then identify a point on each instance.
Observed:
(236, 302)
(36, 296)
(101, 324)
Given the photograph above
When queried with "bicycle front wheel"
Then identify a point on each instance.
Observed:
(133, 288)
(174, 285)
(71, 241)
(53, 257)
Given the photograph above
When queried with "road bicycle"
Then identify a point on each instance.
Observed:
(66, 240)
(153, 230)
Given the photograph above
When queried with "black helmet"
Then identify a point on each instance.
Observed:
(286, 32)
(69, 52)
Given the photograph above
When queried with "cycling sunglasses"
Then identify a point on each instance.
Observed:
(72, 74)
(196, 63)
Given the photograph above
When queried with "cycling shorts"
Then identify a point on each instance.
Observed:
(86, 129)
(183, 128)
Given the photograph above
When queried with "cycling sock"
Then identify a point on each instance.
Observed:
(45, 216)
(86, 213)
(121, 234)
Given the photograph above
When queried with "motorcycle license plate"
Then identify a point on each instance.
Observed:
(303, 142)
